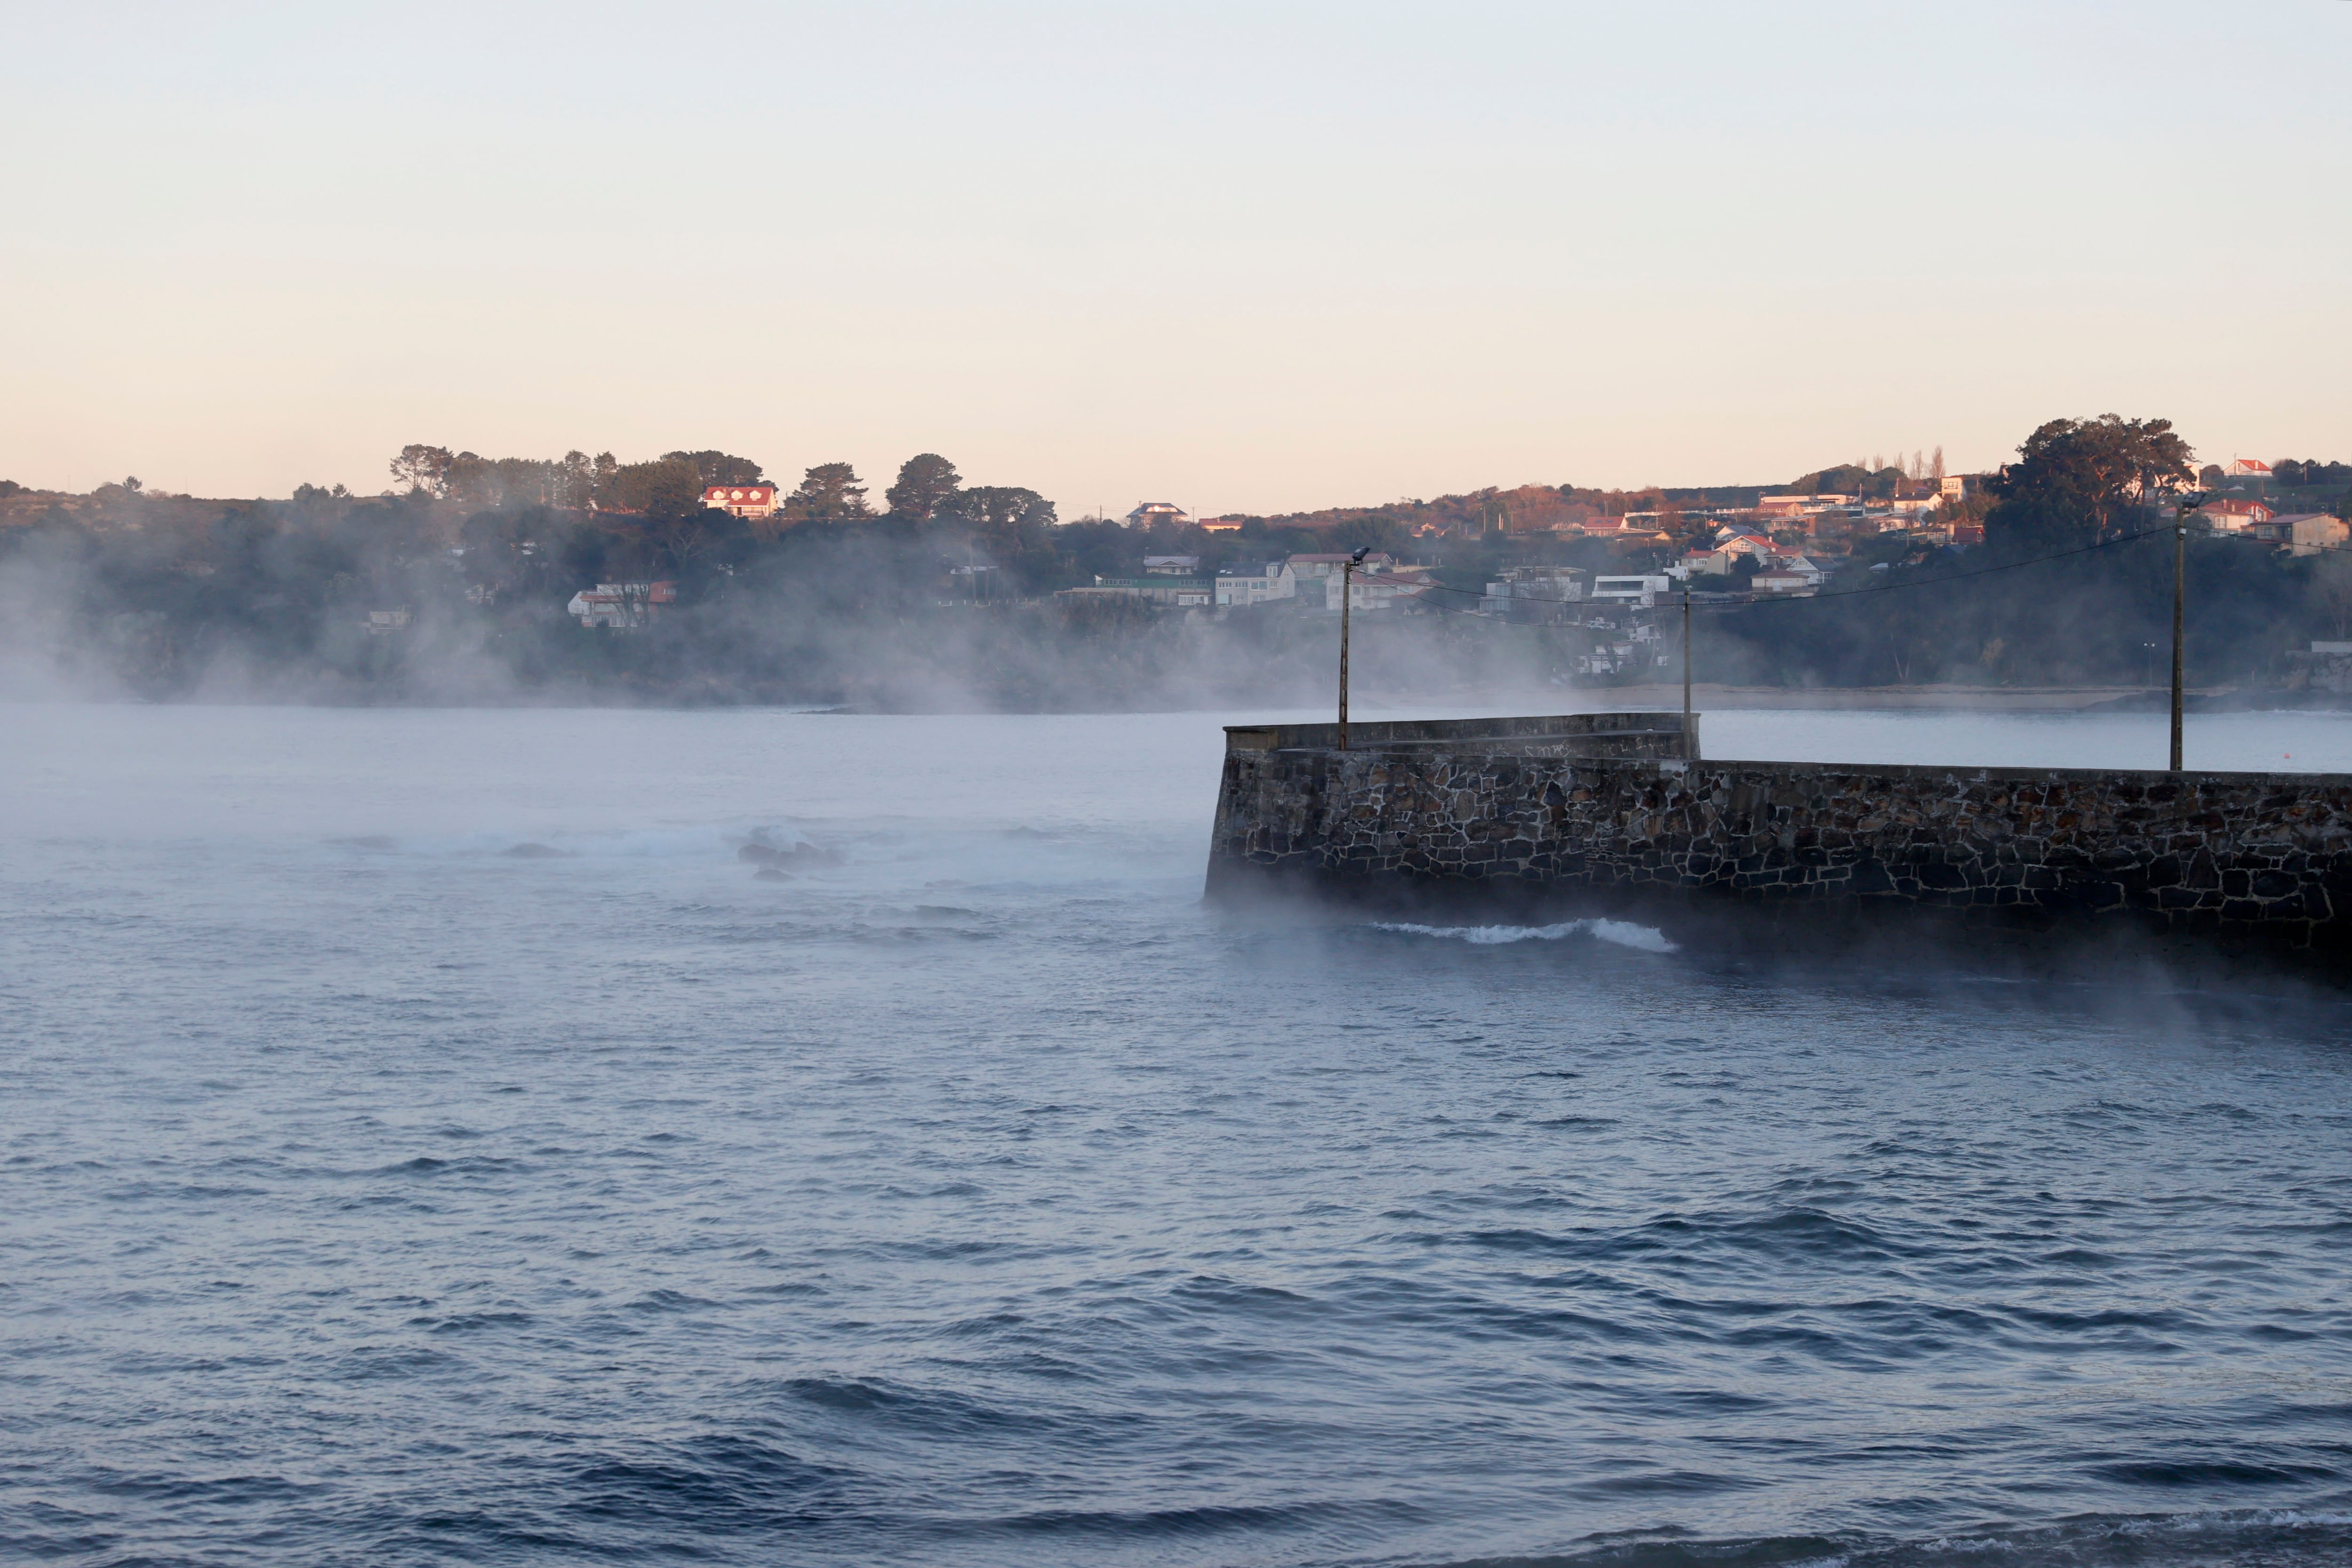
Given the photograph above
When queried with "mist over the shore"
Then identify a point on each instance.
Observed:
(474, 584)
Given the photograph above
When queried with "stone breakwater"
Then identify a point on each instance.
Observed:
(2265, 856)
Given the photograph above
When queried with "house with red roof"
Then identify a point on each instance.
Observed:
(2230, 517)
(743, 500)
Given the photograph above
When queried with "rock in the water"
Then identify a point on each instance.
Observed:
(802, 854)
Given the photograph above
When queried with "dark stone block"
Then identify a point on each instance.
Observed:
(2273, 885)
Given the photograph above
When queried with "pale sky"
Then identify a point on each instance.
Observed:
(1248, 258)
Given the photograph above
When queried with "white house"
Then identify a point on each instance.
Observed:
(1389, 588)
(1183, 593)
(1534, 594)
(2310, 533)
(1318, 576)
(1255, 582)
(620, 605)
(743, 500)
(1774, 507)
(1641, 590)
(1785, 580)
(1634, 527)
(2226, 516)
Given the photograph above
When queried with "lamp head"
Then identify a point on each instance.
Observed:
(1359, 557)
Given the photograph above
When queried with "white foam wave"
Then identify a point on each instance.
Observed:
(1623, 932)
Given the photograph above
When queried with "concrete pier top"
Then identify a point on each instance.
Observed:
(1637, 734)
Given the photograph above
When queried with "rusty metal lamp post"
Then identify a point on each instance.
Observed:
(1346, 594)
(2180, 597)
(1686, 665)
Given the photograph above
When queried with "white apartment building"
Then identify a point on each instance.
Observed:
(1256, 582)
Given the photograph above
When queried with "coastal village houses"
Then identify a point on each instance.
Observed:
(1381, 582)
(1777, 507)
(1541, 594)
(1182, 592)
(1319, 575)
(1779, 570)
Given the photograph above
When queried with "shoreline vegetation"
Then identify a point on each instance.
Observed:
(458, 585)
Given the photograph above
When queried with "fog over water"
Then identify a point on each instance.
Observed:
(746, 1136)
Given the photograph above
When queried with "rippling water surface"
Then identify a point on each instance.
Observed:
(429, 1138)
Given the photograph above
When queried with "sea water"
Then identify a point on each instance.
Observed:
(756, 1137)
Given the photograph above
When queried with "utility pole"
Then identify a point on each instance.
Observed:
(2180, 594)
(1347, 593)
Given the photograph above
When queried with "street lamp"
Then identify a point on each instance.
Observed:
(1347, 593)
(1686, 665)
(2181, 511)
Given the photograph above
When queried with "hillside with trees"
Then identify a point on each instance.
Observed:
(452, 585)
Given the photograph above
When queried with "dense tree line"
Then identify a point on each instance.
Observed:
(2074, 584)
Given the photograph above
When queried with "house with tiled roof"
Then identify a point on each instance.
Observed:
(743, 500)
(2231, 517)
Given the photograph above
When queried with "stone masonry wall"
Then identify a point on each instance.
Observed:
(2266, 853)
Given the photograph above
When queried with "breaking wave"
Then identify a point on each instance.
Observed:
(1623, 932)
